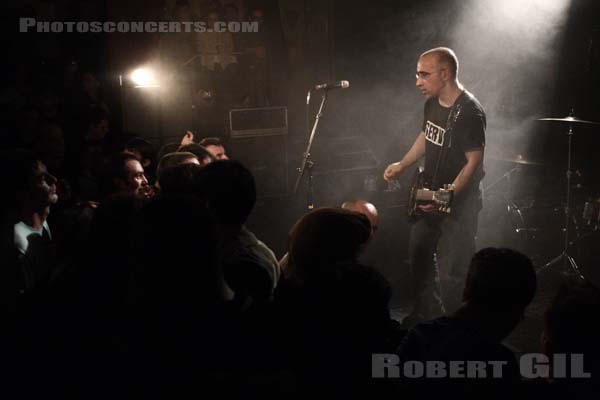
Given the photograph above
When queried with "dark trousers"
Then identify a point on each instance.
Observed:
(440, 249)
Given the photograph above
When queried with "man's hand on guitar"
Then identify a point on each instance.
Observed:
(392, 171)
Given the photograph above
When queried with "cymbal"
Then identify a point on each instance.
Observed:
(519, 159)
(571, 120)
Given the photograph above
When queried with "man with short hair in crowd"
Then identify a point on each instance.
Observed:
(145, 152)
(32, 191)
(367, 209)
(204, 156)
(126, 175)
(500, 283)
(215, 146)
(250, 267)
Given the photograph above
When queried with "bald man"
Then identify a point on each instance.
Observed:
(451, 142)
(366, 208)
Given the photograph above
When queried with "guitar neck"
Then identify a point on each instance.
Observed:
(425, 195)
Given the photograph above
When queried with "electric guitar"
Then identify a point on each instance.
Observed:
(420, 195)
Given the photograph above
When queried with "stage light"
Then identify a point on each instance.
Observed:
(143, 77)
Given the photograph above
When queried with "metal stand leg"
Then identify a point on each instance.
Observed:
(568, 260)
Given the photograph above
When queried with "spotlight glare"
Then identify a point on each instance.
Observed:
(143, 77)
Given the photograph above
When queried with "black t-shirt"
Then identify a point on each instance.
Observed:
(467, 133)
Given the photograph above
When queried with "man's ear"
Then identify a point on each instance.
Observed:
(446, 76)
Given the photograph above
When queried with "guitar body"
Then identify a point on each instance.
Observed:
(419, 194)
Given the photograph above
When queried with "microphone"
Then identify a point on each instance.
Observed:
(333, 85)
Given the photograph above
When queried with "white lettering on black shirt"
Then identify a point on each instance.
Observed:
(434, 133)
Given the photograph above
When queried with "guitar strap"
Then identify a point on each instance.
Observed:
(450, 121)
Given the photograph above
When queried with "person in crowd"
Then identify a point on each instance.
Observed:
(570, 332)
(31, 191)
(366, 208)
(145, 152)
(330, 305)
(125, 174)
(500, 284)
(180, 179)
(250, 267)
(173, 159)
(204, 156)
(215, 146)
(181, 300)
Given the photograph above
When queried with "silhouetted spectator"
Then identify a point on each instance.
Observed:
(180, 179)
(204, 156)
(570, 329)
(215, 146)
(250, 267)
(366, 208)
(330, 306)
(182, 302)
(500, 284)
(173, 159)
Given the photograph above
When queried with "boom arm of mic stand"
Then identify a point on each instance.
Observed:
(306, 155)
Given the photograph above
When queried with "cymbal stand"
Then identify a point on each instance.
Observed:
(567, 259)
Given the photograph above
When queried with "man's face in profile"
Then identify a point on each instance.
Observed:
(43, 187)
(217, 151)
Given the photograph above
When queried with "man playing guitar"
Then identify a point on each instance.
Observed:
(452, 141)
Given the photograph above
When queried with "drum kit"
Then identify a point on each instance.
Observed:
(578, 232)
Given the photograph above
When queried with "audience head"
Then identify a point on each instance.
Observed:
(500, 279)
(30, 187)
(326, 237)
(501, 282)
(126, 175)
(367, 209)
(167, 148)
(173, 159)
(180, 179)
(229, 189)
(215, 147)
(204, 156)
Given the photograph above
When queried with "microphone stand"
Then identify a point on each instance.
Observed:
(307, 164)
